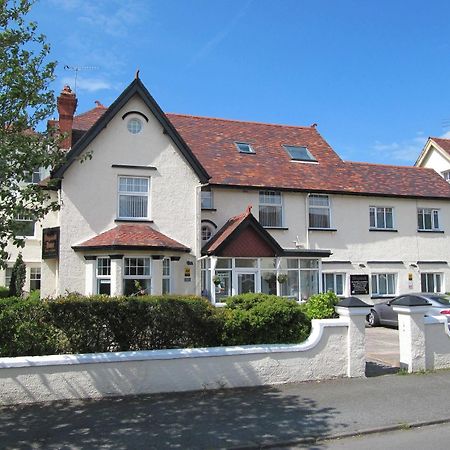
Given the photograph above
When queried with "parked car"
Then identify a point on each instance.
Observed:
(383, 313)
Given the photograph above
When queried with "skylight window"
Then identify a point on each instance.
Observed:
(299, 153)
(244, 148)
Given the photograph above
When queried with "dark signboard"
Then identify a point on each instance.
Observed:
(50, 243)
(359, 284)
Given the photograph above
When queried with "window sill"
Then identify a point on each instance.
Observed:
(385, 230)
(275, 228)
(431, 231)
(209, 209)
(378, 297)
(322, 229)
(134, 220)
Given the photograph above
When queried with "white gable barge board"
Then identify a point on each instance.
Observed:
(47, 378)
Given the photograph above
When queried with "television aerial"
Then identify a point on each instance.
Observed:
(77, 69)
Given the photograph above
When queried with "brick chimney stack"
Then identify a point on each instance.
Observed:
(67, 104)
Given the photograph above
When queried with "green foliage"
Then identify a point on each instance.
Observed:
(4, 291)
(34, 295)
(263, 319)
(321, 306)
(18, 276)
(25, 101)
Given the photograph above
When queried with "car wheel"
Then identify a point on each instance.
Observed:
(372, 319)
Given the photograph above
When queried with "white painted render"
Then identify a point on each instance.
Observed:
(433, 157)
(335, 348)
(89, 193)
(355, 249)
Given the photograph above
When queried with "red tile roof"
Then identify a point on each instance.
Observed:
(443, 143)
(85, 120)
(136, 236)
(212, 142)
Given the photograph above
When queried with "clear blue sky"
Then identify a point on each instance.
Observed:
(374, 75)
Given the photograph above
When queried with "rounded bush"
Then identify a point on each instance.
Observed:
(321, 306)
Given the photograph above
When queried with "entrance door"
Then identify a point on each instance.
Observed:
(246, 282)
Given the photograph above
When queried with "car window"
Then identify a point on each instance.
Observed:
(439, 299)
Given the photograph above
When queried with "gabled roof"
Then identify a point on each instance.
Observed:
(136, 87)
(131, 237)
(443, 143)
(270, 166)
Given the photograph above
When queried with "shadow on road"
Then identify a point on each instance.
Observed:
(211, 419)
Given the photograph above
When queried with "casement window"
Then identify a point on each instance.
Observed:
(383, 283)
(244, 147)
(134, 197)
(333, 282)
(431, 282)
(103, 276)
(35, 278)
(166, 269)
(24, 225)
(207, 200)
(137, 276)
(298, 153)
(319, 211)
(270, 209)
(381, 218)
(428, 219)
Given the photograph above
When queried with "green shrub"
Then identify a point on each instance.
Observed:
(4, 292)
(263, 319)
(321, 306)
(26, 329)
(18, 276)
(34, 295)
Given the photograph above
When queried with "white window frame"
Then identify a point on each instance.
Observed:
(309, 156)
(24, 218)
(250, 148)
(138, 277)
(211, 230)
(434, 212)
(276, 206)
(206, 197)
(335, 274)
(377, 226)
(446, 175)
(375, 290)
(8, 275)
(102, 276)
(166, 276)
(320, 207)
(434, 274)
(133, 194)
(35, 275)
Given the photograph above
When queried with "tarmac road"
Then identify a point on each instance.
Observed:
(243, 418)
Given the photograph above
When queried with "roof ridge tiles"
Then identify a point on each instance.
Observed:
(385, 165)
(192, 116)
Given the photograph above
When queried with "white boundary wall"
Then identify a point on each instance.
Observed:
(327, 353)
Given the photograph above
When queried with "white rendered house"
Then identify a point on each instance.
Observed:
(191, 205)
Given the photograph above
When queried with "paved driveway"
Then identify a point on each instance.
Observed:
(382, 346)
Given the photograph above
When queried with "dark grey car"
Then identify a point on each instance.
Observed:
(383, 313)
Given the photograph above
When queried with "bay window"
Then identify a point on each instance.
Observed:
(137, 276)
(103, 275)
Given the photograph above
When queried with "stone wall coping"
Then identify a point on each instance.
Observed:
(401, 309)
(314, 338)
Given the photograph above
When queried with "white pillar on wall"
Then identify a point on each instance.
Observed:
(157, 275)
(411, 332)
(116, 275)
(89, 280)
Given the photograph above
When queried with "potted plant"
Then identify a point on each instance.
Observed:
(217, 280)
(282, 278)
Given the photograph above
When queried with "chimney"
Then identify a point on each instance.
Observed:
(67, 104)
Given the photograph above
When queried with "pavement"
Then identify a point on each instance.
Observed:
(298, 415)
(382, 346)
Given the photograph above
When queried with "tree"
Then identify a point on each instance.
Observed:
(26, 100)
(18, 276)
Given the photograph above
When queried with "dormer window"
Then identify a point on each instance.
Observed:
(244, 147)
(446, 175)
(299, 153)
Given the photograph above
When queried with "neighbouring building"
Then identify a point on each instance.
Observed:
(170, 203)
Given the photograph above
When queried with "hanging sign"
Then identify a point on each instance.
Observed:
(50, 243)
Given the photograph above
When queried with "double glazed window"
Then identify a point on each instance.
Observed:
(103, 276)
(333, 282)
(137, 276)
(270, 209)
(206, 200)
(302, 279)
(383, 284)
(35, 278)
(24, 225)
(428, 219)
(381, 218)
(133, 197)
(431, 282)
(319, 211)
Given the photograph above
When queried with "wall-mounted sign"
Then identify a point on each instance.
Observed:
(359, 284)
(187, 272)
(50, 243)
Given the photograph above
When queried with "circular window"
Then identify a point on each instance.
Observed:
(134, 126)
